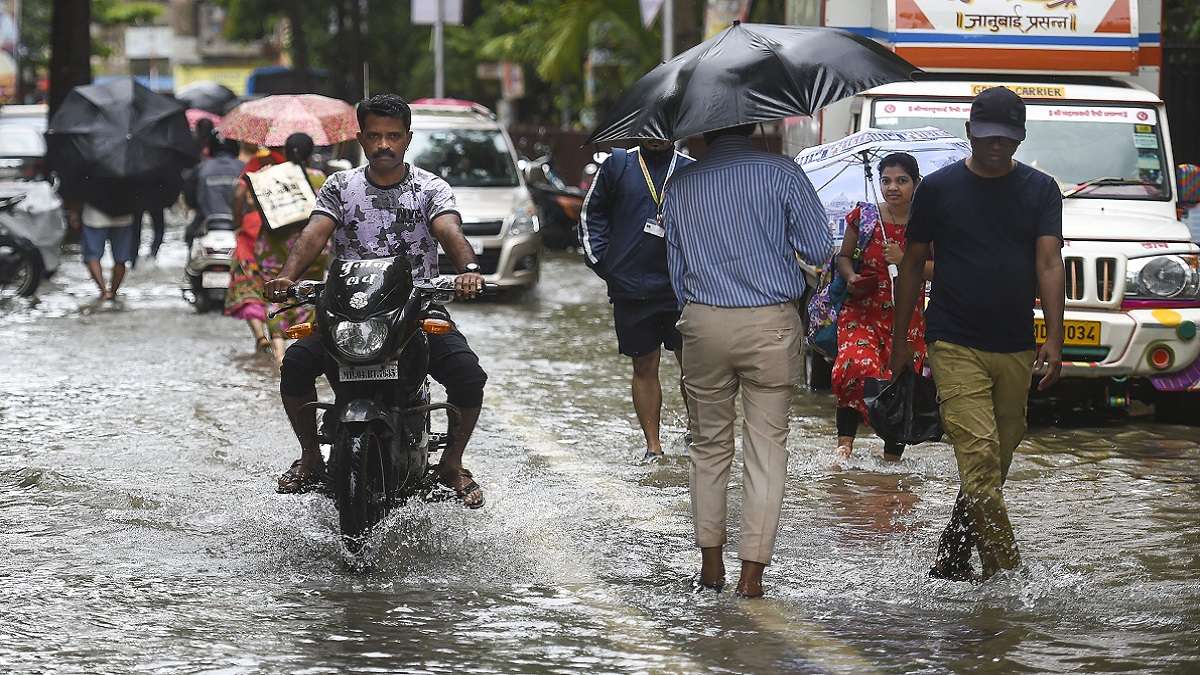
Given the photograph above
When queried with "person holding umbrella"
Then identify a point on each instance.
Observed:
(865, 321)
(96, 228)
(735, 222)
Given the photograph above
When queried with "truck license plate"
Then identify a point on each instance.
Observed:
(382, 371)
(1075, 333)
(214, 279)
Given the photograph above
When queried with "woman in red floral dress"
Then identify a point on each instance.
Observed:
(865, 321)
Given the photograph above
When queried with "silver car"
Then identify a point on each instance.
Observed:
(465, 145)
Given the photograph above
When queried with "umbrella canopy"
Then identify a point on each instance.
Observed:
(194, 115)
(750, 73)
(206, 95)
(120, 146)
(843, 172)
(269, 121)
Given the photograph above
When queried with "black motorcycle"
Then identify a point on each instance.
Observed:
(20, 261)
(373, 319)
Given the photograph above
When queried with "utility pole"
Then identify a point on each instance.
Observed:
(70, 48)
(668, 30)
(439, 57)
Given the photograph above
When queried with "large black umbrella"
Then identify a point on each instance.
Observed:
(750, 73)
(206, 95)
(120, 146)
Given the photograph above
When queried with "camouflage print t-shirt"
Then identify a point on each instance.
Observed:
(376, 222)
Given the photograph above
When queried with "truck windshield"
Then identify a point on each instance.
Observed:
(1093, 151)
(464, 157)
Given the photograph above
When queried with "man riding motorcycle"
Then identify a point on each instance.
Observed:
(387, 208)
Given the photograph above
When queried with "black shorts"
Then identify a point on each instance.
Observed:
(451, 363)
(645, 325)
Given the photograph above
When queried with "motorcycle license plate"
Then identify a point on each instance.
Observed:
(382, 371)
(476, 247)
(215, 279)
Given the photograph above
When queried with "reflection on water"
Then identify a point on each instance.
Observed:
(136, 509)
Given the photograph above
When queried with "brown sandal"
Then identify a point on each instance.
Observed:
(461, 492)
(263, 344)
(294, 481)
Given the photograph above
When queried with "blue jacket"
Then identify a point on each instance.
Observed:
(616, 245)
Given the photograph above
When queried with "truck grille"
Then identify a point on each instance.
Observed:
(1075, 290)
(1106, 278)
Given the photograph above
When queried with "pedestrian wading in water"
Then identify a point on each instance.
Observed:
(624, 243)
(994, 226)
(864, 330)
(735, 222)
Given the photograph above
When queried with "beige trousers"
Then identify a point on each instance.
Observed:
(754, 350)
(984, 398)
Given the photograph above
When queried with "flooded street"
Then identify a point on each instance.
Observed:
(142, 533)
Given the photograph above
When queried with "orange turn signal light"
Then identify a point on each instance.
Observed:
(436, 326)
(300, 330)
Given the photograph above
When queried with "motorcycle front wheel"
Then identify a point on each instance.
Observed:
(20, 270)
(358, 473)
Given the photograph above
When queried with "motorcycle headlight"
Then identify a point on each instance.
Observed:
(360, 339)
(1165, 276)
(524, 219)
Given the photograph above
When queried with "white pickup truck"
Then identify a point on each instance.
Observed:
(1132, 271)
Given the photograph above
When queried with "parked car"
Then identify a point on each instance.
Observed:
(22, 151)
(464, 144)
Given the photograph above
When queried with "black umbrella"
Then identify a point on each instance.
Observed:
(120, 146)
(206, 95)
(750, 73)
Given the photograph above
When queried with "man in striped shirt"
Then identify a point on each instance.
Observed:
(736, 221)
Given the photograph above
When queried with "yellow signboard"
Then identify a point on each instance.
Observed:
(233, 77)
(1026, 90)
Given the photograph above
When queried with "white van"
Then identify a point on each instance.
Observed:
(1132, 271)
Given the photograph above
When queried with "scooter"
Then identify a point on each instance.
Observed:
(210, 257)
(21, 265)
(373, 320)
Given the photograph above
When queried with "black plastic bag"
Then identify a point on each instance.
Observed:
(906, 410)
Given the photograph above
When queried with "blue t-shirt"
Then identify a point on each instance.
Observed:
(984, 233)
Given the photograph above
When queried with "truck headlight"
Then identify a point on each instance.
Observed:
(1164, 276)
(360, 339)
(524, 219)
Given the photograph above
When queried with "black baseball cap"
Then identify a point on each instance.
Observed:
(998, 111)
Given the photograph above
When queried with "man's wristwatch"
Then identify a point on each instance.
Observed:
(471, 268)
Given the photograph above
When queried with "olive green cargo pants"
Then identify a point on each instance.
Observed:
(984, 397)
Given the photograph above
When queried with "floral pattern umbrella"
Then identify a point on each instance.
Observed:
(269, 121)
(194, 115)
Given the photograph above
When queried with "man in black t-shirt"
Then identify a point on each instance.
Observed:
(994, 226)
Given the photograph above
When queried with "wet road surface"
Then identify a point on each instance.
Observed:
(141, 532)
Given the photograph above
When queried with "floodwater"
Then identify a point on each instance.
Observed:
(141, 532)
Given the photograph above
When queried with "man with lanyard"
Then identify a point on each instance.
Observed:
(623, 241)
(387, 208)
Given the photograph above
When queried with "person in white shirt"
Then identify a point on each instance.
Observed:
(96, 227)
